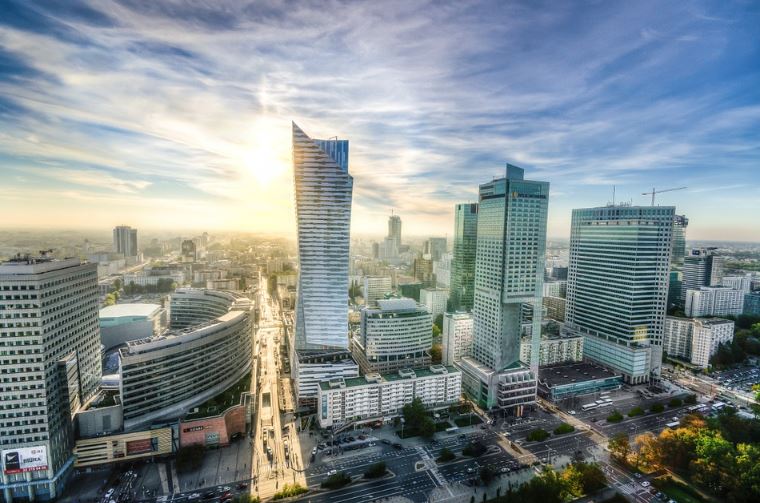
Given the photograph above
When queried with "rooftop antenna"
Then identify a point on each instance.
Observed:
(613, 195)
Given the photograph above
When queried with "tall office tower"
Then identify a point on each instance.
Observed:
(423, 271)
(394, 230)
(509, 271)
(435, 247)
(678, 250)
(50, 309)
(323, 190)
(463, 264)
(617, 285)
(125, 240)
(701, 267)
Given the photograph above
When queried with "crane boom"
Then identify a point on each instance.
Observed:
(655, 191)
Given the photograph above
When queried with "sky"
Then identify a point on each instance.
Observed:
(176, 115)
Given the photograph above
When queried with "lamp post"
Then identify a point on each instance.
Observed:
(403, 421)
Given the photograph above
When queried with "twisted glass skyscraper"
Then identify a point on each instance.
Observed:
(323, 191)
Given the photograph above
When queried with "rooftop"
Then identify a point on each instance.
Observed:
(568, 373)
(400, 375)
(120, 310)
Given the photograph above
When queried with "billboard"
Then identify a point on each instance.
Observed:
(139, 446)
(25, 459)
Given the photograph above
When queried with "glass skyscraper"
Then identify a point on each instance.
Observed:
(509, 272)
(678, 250)
(617, 285)
(463, 263)
(323, 190)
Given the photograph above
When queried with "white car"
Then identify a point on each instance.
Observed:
(645, 483)
(332, 472)
(571, 412)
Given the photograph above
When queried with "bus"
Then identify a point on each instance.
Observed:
(589, 406)
(605, 404)
(674, 424)
(453, 429)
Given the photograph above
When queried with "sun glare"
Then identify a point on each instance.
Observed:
(267, 156)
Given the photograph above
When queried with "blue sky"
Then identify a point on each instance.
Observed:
(177, 115)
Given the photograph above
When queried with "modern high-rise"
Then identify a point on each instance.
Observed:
(617, 285)
(423, 271)
(50, 363)
(509, 272)
(456, 337)
(696, 340)
(742, 283)
(678, 249)
(463, 263)
(435, 247)
(752, 303)
(125, 240)
(323, 191)
(701, 267)
(395, 335)
(375, 288)
(434, 300)
(394, 230)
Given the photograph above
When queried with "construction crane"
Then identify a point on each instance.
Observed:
(654, 192)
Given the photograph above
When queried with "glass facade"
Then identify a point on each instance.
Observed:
(463, 263)
(323, 190)
(618, 284)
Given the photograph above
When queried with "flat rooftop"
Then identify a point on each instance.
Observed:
(569, 373)
(130, 310)
(374, 378)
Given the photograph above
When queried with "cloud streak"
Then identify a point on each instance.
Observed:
(193, 101)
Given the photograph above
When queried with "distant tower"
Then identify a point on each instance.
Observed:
(463, 263)
(125, 240)
(394, 230)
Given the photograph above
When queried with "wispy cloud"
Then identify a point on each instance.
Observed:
(192, 101)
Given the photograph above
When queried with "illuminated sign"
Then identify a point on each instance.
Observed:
(25, 459)
(193, 428)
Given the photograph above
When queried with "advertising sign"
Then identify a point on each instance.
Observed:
(139, 446)
(25, 459)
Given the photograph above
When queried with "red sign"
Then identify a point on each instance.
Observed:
(139, 446)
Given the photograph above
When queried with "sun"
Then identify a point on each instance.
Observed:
(267, 156)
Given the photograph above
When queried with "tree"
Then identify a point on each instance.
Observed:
(375, 471)
(691, 399)
(584, 478)
(336, 481)
(675, 402)
(537, 435)
(417, 420)
(446, 455)
(657, 408)
(547, 487)
(636, 411)
(487, 474)
(436, 331)
(615, 417)
(439, 321)
(436, 353)
(645, 446)
(563, 428)
(620, 447)
(474, 450)
(117, 284)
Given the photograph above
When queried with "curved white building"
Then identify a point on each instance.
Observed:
(396, 335)
(163, 377)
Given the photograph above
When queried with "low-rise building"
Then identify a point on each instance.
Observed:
(90, 452)
(457, 337)
(554, 350)
(556, 382)
(120, 323)
(381, 396)
(313, 367)
(714, 301)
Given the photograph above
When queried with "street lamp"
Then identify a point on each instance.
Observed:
(403, 421)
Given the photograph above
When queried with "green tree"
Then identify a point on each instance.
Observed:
(547, 487)
(657, 408)
(436, 331)
(376, 470)
(563, 428)
(615, 417)
(636, 411)
(436, 353)
(487, 474)
(446, 455)
(439, 321)
(675, 402)
(537, 435)
(584, 478)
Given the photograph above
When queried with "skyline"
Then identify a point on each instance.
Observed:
(165, 116)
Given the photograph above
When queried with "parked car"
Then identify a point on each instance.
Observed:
(332, 472)
(386, 441)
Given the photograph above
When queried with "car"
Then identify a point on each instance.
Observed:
(645, 483)
(351, 439)
(672, 501)
(398, 446)
(504, 469)
(572, 412)
(659, 495)
(314, 451)
(194, 496)
(242, 485)
(386, 441)
(637, 475)
(209, 494)
(470, 470)
(372, 444)
(332, 472)
(362, 437)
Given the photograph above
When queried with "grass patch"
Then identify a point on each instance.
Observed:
(290, 490)
(537, 435)
(463, 421)
(376, 471)
(636, 411)
(615, 417)
(656, 408)
(224, 400)
(677, 491)
(564, 428)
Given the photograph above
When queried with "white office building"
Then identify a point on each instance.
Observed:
(382, 396)
(457, 337)
(741, 283)
(434, 300)
(50, 366)
(442, 270)
(696, 340)
(397, 334)
(557, 288)
(714, 301)
(375, 288)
